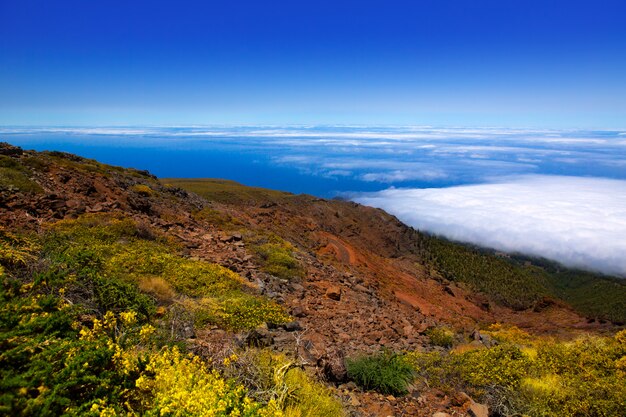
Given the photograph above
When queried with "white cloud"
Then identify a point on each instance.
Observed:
(578, 221)
(404, 175)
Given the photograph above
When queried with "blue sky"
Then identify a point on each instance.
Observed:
(441, 62)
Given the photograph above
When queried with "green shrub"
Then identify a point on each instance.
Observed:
(108, 258)
(15, 177)
(277, 259)
(216, 217)
(441, 336)
(385, 372)
(143, 190)
(272, 376)
(545, 378)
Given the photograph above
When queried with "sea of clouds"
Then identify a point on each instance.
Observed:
(580, 222)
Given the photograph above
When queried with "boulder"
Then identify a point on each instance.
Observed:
(292, 326)
(334, 292)
(298, 311)
(478, 410)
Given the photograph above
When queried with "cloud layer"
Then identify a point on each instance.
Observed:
(577, 221)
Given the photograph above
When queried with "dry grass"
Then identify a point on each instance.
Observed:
(157, 287)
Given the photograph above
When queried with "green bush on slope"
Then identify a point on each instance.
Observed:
(585, 377)
(78, 336)
(384, 372)
(109, 256)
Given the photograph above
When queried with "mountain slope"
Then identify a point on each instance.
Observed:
(303, 282)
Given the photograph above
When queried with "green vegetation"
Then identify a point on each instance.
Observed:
(522, 282)
(225, 191)
(585, 377)
(43, 161)
(89, 319)
(217, 217)
(107, 256)
(278, 378)
(16, 177)
(385, 372)
(276, 258)
(143, 189)
(441, 336)
(54, 364)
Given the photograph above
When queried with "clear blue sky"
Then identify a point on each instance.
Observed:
(441, 62)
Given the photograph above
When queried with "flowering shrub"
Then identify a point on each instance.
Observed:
(110, 255)
(544, 377)
(54, 365)
(180, 385)
(143, 189)
(16, 250)
(279, 380)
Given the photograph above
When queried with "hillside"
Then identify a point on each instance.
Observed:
(289, 304)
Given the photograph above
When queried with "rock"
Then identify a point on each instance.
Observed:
(350, 386)
(359, 287)
(235, 237)
(292, 326)
(450, 290)
(333, 367)
(483, 338)
(354, 401)
(298, 311)
(98, 207)
(334, 292)
(478, 410)
(259, 337)
(345, 337)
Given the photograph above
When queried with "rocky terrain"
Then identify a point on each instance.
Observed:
(364, 283)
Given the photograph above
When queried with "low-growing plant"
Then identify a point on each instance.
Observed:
(441, 336)
(274, 377)
(143, 190)
(544, 377)
(158, 287)
(217, 217)
(110, 257)
(15, 177)
(385, 372)
(16, 250)
(276, 258)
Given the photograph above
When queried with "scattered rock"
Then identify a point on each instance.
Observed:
(292, 326)
(450, 290)
(259, 337)
(478, 410)
(334, 292)
(298, 312)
